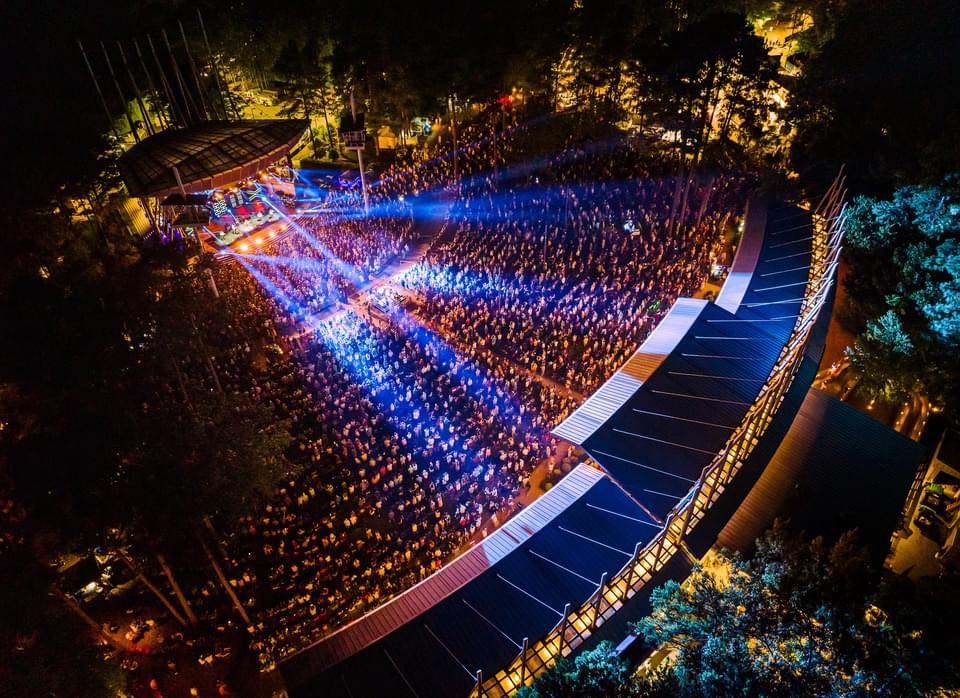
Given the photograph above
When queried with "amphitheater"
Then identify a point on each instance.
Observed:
(675, 438)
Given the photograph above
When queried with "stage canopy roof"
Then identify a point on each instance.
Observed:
(208, 155)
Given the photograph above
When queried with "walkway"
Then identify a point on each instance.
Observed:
(429, 229)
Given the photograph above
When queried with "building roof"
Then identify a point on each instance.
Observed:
(745, 261)
(775, 288)
(622, 385)
(664, 416)
(474, 613)
(949, 452)
(854, 469)
(207, 155)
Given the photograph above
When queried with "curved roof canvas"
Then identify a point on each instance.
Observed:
(208, 155)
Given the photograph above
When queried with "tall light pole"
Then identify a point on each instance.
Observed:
(216, 72)
(103, 102)
(123, 100)
(451, 104)
(136, 91)
(359, 149)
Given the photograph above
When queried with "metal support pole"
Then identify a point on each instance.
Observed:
(96, 85)
(563, 628)
(596, 606)
(136, 90)
(176, 175)
(178, 113)
(523, 661)
(716, 478)
(633, 567)
(193, 69)
(187, 100)
(829, 191)
(161, 117)
(480, 691)
(663, 540)
(690, 506)
(216, 71)
(149, 213)
(363, 178)
(123, 100)
(212, 283)
(452, 105)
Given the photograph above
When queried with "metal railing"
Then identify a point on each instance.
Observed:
(580, 623)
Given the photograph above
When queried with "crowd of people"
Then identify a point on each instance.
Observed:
(566, 272)
(421, 412)
(323, 257)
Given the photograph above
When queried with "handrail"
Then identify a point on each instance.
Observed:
(577, 625)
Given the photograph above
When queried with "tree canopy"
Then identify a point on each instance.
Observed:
(110, 427)
(904, 291)
(44, 649)
(600, 673)
(879, 92)
(801, 617)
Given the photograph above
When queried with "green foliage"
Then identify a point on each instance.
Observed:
(904, 289)
(712, 69)
(115, 435)
(887, 330)
(800, 618)
(599, 673)
(307, 87)
(218, 458)
(941, 305)
(406, 58)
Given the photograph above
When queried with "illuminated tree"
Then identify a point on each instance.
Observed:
(800, 618)
(599, 673)
(904, 291)
(711, 71)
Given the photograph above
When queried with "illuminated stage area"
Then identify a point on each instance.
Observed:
(216, 181)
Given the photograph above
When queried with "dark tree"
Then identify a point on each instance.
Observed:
(708, 75)
(882, 95)
(45, 648)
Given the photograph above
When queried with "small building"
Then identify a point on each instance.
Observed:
(386, 138)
